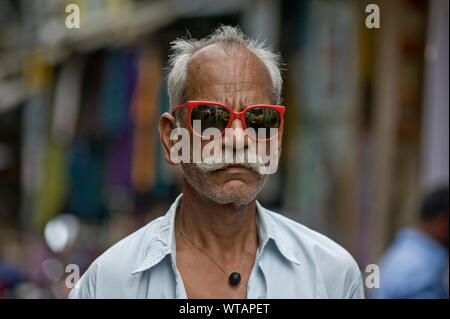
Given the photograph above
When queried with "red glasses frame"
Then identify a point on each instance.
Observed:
(233, 115)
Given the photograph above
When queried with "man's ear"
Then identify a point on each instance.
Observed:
(165, 127)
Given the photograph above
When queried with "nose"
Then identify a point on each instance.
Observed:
(235, 137)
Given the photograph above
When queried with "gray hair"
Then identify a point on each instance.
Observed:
(184, 49)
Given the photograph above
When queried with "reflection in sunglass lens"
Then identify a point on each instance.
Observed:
(210, 116)
(263, 118)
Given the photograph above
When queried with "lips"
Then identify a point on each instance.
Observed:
(232, 166)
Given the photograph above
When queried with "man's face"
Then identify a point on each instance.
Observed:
(235, 77)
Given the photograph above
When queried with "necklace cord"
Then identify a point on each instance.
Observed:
(207, 254)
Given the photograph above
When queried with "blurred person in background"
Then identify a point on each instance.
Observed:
(216, 240)
(416, 264)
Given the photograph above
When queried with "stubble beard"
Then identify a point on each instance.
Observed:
(203, 185)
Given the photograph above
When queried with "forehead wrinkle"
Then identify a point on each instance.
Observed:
(207, 68)
(246, 60)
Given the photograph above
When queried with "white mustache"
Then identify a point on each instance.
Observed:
(212, 163)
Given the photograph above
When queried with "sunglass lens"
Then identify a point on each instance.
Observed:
(262, 120)
(210, 116)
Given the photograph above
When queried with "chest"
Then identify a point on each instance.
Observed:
(203, 278)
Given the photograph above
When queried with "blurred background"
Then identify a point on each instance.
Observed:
(366, 131)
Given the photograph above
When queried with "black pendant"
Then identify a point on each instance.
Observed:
(235, 278)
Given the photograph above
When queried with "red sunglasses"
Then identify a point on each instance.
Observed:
(220, 116)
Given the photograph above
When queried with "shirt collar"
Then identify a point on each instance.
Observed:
(270, 230)
(161, 240)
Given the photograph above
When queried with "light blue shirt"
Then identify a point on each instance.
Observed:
(292, 261)
(414, 266)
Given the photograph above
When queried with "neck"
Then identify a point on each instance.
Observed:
(223, 230)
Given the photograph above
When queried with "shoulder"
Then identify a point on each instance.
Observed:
(329, 261)
(115, 266)
(135, 245)
(304, 240)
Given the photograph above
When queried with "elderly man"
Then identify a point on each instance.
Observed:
(216, 240)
